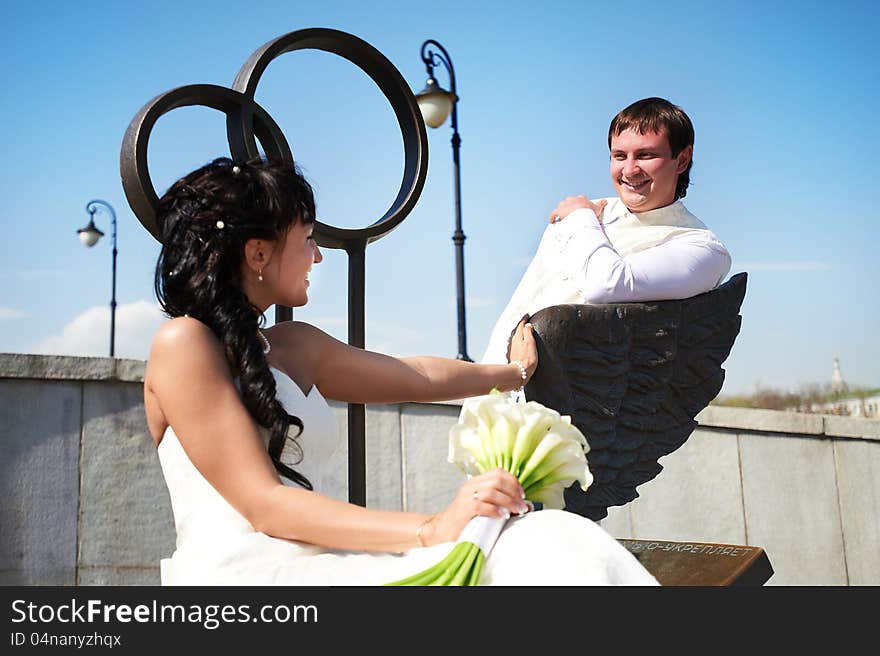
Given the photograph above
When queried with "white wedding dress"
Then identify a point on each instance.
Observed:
(217, 546)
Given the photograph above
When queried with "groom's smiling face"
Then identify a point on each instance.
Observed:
(643, 170)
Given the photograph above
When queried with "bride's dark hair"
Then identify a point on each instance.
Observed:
(206, 218)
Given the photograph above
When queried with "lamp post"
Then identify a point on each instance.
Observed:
(435, 104)
(89, 236)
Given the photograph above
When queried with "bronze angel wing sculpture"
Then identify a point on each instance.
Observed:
(633, 376)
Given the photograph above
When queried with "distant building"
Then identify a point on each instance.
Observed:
(853, 405)
(838, 385)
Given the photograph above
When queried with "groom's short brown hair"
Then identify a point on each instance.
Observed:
(660, 116)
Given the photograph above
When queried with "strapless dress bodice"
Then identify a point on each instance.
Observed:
(198, 508)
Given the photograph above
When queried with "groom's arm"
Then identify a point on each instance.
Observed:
(681, 267)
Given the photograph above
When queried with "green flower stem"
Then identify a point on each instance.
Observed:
(435, 573)
(449, 565)
(473, 561)
(526, 441)
(455, 563)
(539, 469)
(425, 577)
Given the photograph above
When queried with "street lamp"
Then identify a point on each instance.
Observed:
(435, 104)
(89, 236)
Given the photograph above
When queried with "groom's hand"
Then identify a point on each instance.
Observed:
(573, 203)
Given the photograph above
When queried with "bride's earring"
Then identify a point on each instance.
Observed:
(260, 275)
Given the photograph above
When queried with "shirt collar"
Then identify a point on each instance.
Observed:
(616, 209)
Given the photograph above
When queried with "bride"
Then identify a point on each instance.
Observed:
(239, 414)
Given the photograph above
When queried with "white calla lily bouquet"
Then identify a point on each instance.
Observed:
(540, 447)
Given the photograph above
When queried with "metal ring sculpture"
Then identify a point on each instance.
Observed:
(247, 122)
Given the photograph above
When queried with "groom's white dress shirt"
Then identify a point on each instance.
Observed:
(662, 254)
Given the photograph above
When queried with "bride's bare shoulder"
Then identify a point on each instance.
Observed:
(181, 334)
(296, 334)
(185, 354)
(180, 331)
(182, 340)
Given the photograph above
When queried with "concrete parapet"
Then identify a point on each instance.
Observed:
(791, 507)
(125, 511)
(858, 482)
(792, 423)
(39, 482)
(852, 427)
(68, 367)
(697, 496)
(430, 481)
(84, 502)
(761, 420)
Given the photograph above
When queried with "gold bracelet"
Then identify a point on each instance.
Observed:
(419, 531)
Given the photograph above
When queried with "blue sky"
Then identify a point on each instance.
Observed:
(783, 99)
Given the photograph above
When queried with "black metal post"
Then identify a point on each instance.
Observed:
(91, 208)
(113, 296)
(458, 237)
(357, 414)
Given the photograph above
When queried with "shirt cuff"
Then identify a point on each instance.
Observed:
(584, 218)
(583, 234)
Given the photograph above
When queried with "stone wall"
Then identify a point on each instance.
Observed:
(84, 502)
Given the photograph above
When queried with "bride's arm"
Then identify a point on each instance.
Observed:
(192, 383)
(354, 375)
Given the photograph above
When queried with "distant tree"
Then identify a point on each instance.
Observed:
(803, 399)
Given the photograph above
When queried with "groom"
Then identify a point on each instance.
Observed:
(643, 245)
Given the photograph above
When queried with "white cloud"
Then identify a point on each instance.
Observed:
(11, 313)
(89, 333)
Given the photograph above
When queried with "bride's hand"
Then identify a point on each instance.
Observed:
(523, 347)
(496, 493)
